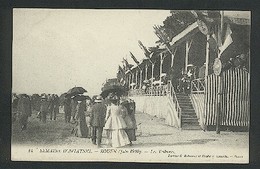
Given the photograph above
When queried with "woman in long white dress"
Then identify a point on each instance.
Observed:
(115, 125)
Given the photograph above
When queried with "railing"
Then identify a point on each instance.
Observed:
(198, 85)
(173, 96)
(150, 91)
(157, 91)
(163, 90)
(136, 92)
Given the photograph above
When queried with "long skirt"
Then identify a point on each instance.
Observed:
(117, 138)
(81, 129)
(131, 134)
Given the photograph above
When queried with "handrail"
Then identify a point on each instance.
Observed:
(198, 85)
(172, 94)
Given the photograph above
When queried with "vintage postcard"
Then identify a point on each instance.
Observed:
(155, 86)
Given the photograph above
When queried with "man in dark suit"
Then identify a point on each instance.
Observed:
(97, 120)
(44, 108)
(25, 110)
(67, 109)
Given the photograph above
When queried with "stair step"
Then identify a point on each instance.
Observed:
(189, 127)
(187, 110)
(182, 95)
(187, 106)
(185, 103)
(183, 98)
(189, 120)
(185, 115)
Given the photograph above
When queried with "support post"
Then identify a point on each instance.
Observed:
(136, 73)
(218, 119)
(207, 57)
(186, 56)
(152, 72)
(146, 69)
(188, 45)
(129, 80)
(141, 72)
(161, 61)
(161, 66)
(173, 55)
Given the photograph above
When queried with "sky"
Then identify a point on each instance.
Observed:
(57, 49)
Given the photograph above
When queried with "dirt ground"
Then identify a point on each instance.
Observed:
(151, 132)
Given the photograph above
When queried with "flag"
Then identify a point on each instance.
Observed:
(121, 70)
(126, 63)
(227, 40)
(133, 57)
(144, 49)
(213, 42)
(207, 20)
(208, 17)
(160, 34)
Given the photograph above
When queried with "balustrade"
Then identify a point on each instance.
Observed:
(198, 85)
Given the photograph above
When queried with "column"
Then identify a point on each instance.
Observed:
(141, 71)
(186, 56)
(207, 57)
(136, 73)
(146, 69)
(161, 66)
(152, 72)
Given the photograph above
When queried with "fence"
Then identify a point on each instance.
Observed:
(234, 86)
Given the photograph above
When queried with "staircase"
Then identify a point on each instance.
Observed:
(189, 120)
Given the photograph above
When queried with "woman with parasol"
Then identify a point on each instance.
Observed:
(128, 114)
(115, 124)
(80, 129)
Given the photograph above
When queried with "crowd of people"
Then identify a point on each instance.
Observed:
(89, 117)
(113, 115)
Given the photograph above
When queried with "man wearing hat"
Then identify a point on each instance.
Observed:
(97, 120)
(44, 108)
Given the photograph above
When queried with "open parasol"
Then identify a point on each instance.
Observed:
(117, 89)
(81, 97)
(62, 97)
(75, 91)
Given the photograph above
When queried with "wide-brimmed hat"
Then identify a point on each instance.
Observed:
(115, 97)
(44, 97)
(98, 99)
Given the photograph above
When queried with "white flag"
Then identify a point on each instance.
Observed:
(228, 40)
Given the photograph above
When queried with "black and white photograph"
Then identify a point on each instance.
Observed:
(130, 85)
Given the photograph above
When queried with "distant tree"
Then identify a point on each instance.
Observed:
(177, 22)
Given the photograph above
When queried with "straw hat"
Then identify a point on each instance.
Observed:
(98, 99)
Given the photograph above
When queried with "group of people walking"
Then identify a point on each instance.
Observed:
(23, 105)
(114, 116)
(49, 105)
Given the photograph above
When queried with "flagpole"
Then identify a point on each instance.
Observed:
(218, 119)
(207, 57)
